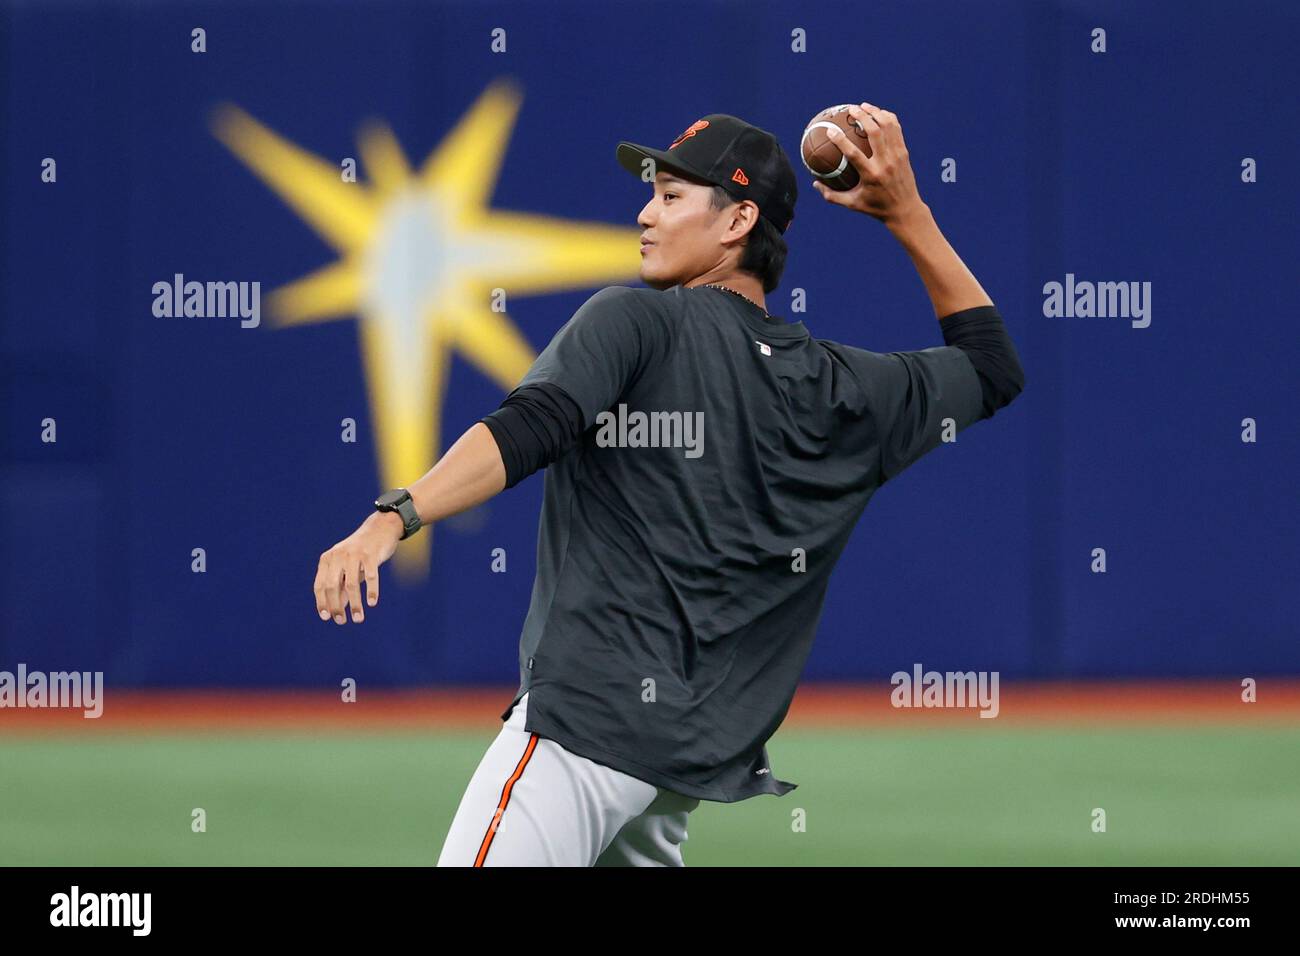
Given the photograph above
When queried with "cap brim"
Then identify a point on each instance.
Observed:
(631, 156)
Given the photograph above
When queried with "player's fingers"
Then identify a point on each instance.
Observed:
(877, 136)
(353, 583)
(883, 117)
(854, 154)
(371, 569)
(891, 129)
(341, 596)
(318, 589)
(846, 145)
(871, 113)
(331, 574)
(830, 195)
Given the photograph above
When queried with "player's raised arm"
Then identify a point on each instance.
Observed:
(886, 191)
(917, 392)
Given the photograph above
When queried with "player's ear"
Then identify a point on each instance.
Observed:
(746, 214)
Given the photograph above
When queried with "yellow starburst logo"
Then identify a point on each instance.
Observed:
(423, 265)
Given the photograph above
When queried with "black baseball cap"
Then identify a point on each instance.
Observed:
(746, 161)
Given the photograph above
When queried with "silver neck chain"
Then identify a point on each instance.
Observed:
(710, 285)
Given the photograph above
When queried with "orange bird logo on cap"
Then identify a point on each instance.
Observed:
(690, 131)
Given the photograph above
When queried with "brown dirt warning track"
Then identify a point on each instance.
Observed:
(815, 706)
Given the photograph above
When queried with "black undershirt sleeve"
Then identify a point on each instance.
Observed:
(982, 335)
(534, 426)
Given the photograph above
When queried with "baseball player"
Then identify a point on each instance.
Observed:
(706, 462)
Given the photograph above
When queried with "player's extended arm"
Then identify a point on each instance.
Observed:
(469, 473)
(534, 426)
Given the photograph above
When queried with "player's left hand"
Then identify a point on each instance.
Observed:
(353, 560)
(886, 188)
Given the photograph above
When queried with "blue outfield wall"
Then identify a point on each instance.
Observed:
(1166, 160)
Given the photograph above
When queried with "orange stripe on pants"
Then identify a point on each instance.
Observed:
(505, 799)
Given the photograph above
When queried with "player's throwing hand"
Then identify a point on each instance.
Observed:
(886, 189)
(356, 558)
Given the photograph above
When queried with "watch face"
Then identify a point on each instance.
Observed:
(390, 499)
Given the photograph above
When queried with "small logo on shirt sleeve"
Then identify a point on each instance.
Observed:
(763, 347)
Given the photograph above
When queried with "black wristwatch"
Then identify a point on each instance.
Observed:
(399, 500)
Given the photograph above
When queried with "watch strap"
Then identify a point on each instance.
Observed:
(404, 506)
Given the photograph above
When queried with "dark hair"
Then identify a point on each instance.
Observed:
(765, 249)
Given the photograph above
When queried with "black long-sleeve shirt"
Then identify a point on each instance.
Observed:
(707, 468)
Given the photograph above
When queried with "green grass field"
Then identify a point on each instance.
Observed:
(1204, 795)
